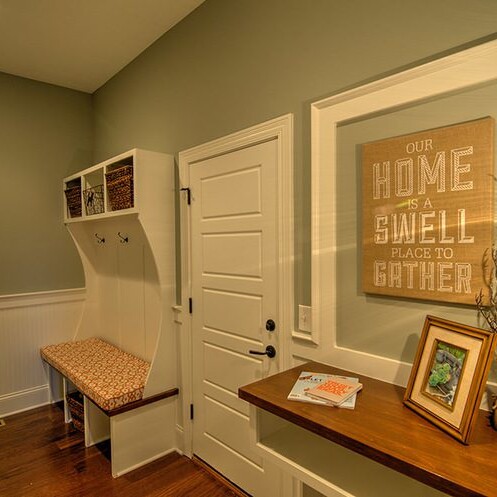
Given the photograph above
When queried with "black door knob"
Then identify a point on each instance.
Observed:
(270, 352)
(270, 325)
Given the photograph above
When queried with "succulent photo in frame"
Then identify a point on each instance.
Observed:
(442, 378)
(449, 375)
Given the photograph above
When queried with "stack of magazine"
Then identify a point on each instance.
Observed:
(326, 389)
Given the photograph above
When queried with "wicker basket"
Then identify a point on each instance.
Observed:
(120, 188)
(94, 200)
(76, 407)
(73, 199)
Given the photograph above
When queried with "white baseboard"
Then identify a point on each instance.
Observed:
(143, 463)
(16, 402)
(180, 439)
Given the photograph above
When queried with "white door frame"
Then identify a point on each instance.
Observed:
(280, 129)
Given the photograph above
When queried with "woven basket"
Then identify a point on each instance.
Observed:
(94, 200)
(73, 198)
(76, 408)
(120, 188)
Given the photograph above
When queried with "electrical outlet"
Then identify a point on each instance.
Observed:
(305, 318)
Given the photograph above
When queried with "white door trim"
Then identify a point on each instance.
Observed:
(280, 129)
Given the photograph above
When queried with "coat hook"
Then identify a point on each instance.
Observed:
(124, 239)
(99, 239)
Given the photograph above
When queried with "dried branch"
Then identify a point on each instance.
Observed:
(489, 311)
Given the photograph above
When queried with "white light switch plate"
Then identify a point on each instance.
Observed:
(305, 318)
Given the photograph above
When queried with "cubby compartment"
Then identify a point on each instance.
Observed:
(75, 404)
(93, 193)
(330, 468)
(72, 198)
(108, 188)
(119, 182)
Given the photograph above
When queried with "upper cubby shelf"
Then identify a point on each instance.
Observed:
(106, 189)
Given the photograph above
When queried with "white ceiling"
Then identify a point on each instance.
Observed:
(81, 44)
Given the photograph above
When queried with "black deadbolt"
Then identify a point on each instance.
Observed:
(270, 325)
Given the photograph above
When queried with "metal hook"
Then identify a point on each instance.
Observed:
(99, 239)
(124, 239)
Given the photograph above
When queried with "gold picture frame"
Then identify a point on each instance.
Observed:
(449, 375)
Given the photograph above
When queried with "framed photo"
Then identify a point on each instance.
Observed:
(449, 374)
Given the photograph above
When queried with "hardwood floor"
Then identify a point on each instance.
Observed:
(41, 456)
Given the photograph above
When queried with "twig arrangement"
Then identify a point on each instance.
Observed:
(488, 307)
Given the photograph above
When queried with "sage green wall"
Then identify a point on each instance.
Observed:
(234, 63)
(399, 321)
(45, 134)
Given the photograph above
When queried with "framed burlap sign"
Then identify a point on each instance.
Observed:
(428, 212)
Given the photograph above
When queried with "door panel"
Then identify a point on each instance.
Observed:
(235, 254)
(225, 396)
(244, 317)
(220, 363)
(230, 428)
(248, 200)
(234, 289)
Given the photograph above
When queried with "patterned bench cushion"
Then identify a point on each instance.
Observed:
(110, 377)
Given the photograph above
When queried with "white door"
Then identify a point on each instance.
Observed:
(234, 290)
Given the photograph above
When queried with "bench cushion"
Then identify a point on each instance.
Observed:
(110, 377)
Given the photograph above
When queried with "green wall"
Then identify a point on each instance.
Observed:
(229, 65)
(377, 324)
(45, 134)
(234, 63)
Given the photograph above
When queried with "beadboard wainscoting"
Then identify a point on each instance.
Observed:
(27, 322)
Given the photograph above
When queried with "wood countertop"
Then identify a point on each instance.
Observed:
(384, 430)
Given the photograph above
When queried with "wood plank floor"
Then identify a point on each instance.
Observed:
(41, 456)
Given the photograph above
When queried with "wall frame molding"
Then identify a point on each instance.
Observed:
(457, 72)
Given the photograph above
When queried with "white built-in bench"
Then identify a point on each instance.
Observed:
(113, 381)
(129, 374)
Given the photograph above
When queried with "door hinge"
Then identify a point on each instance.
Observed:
(190, 305)
(191, 411)
(188, 194)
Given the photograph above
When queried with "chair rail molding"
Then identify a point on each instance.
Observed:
(42, 298)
